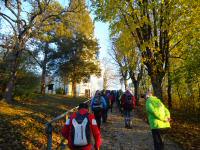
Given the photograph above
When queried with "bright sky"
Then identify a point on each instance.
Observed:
(102, 34)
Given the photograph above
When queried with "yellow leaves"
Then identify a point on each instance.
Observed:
(22, 125)
(184, 132)
(7, 109)
(61, 30)
(144, 21)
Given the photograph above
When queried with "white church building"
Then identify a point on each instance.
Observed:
(82, 89)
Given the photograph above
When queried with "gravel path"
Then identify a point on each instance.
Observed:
(117, 137)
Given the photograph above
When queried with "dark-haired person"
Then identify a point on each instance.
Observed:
(79, 129)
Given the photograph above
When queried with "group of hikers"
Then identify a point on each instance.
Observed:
(104, 100)
(81, 125)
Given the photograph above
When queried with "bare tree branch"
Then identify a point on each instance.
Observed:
(170, 49)
(2, 14)
(10, 9)
(178, 57)
(15, 32)
(37, 61)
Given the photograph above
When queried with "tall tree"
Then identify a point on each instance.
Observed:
(127, 48)
(77, 49)
(77, 59)
(153, 25)
(109, 74)
(42, 40)
(23, 22)
(121, 60)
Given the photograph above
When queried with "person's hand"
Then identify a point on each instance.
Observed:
(168, 120)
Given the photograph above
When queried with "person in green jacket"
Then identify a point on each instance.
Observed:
(158, 117)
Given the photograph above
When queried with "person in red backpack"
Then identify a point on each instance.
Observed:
(79, 128)
(128, 103)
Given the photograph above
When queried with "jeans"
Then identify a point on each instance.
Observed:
(127, 118)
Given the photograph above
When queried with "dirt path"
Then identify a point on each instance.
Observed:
(117, 137)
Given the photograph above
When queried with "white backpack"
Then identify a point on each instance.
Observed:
(81, 131)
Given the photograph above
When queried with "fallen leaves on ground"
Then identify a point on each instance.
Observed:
(22, 124)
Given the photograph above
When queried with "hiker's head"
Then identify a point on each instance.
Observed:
(83, 105)
(103, 92)
(148, 94)
(98, 93)
(128, 92)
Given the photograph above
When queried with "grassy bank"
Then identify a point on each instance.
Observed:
(22, 124)
(185, 128)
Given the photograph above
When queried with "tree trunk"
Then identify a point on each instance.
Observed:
(64, 86)
(44, 68)
(136, 90)
(125, 84)
(169, 90)
(14, 62)
(43, 85)
(179, 95)
(156, 81)
(198, 90)
(74, 88)
(105, 81)
(11, 84)
(10, 88)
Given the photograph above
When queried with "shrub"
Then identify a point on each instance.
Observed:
(60, 91)
(26, 84)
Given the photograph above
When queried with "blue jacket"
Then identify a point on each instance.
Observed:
(103, 102)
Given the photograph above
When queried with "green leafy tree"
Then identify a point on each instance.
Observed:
(186, 74)
(128, 58)
(77, 49)
(77, 59)
(23, 22)
(154, 26)
(42, 40)
(121, 60)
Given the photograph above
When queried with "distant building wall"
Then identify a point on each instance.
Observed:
(82, 89)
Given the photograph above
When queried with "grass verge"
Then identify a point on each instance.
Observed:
(22, 124)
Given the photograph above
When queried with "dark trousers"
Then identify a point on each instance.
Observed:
(97, 115)
(111, 106)
(104, 115)
(119, 106)
(157, 139)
